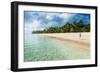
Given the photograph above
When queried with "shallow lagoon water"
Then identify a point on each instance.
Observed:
(43, 48)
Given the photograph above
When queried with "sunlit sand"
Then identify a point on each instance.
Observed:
(80, 40)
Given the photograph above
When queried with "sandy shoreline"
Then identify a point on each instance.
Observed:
(81, 40)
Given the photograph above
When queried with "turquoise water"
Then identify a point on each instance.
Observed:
(43, 48)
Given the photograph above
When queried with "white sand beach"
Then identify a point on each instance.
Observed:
(81, 40)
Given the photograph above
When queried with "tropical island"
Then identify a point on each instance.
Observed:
(78, 32)
(68, 27)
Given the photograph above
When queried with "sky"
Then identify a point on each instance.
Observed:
(40, 20)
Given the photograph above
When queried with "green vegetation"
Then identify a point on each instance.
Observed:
(68, 27)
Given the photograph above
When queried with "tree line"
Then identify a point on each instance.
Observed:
(68, 27)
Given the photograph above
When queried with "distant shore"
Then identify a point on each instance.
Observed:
(81, 38)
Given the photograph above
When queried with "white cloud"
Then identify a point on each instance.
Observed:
(36, 25)
(50, 24)
(49, 17)
(66, 15)
(33, 26)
